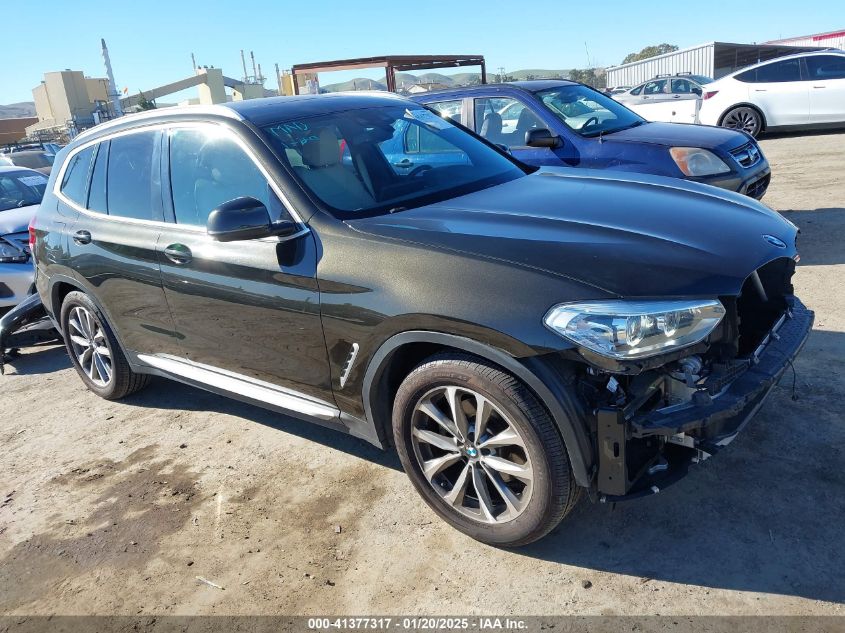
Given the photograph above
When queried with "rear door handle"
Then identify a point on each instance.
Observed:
(178, 254)
(405, 162)
(819, 86)
(82, 237)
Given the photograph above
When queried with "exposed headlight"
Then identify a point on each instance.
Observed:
(694, 161)
(10, 254)
(635, 329)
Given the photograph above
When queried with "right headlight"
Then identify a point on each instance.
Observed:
(625, 330)
(695, 161)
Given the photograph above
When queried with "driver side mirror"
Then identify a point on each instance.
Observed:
(542, 137)
(244, 218)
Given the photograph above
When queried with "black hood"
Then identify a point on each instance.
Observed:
(681, 135)
(631, 235)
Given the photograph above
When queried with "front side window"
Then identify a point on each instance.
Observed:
(821, 67)
(636, 91)
(587, 111)
(358, 163)
(504, 120)
(75, 179)
(448, 109)
(654, 87)
(21, 189)
(132, 179)
(207, 168)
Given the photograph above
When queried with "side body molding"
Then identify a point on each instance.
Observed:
(571, 427)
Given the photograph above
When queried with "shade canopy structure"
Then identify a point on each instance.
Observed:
(391, 64)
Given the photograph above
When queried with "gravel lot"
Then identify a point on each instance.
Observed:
(118, 507)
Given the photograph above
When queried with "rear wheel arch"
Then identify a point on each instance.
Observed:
(756, 108)
(400, 354)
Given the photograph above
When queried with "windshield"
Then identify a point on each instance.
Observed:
(587, 111)
(33, 160)
(21, 189)
(380, 160)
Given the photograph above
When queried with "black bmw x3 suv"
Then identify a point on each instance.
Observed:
(518, 334)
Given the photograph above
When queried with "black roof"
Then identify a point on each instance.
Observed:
(272, 109)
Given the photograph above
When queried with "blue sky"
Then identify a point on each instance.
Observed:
(151, 41)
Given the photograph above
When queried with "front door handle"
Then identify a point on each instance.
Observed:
(405, 162)
(178, 254)
(819, 86)
(82, 237)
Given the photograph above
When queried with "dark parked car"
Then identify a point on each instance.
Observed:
(556, 122)
(518, 334)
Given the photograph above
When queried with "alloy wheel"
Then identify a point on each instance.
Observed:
(471, 454)
(744, 119)
(90, 346)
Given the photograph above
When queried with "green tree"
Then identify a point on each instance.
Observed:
(594, 77)
(650, 51)
(144, 103)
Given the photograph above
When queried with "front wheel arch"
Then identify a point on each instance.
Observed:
(402, 349)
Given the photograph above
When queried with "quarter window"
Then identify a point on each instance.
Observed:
(208, 168)
(132, 178)
(75, 179)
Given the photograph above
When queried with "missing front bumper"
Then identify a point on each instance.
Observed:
(671, 440)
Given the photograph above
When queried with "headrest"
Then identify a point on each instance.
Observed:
(322, 152)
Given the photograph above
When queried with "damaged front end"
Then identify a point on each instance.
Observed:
(24, 325)
(656, 416)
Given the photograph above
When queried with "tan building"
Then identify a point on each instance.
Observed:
(65, 96)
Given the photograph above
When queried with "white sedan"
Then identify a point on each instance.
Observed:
(803, 90)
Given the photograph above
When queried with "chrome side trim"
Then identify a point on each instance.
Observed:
(348, 367)
(245, 386)
(167, 125)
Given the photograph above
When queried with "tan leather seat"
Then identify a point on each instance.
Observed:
(333, 182)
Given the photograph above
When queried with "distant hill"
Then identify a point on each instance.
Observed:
(458, 79)
(17, 110)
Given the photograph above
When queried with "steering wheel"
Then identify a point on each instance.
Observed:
(593, 120)
(416, 171)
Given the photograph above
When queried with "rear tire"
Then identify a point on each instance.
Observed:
(94, 350)
(744, 118)
(509, 484)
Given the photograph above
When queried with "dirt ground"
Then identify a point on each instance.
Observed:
(116, 508)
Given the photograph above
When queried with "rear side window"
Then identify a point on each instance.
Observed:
(787, 70)
(132, 178)
(821, 67)
(97, 190)
(75, 179)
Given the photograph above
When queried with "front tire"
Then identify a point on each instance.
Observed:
(744, 118)
(94, 350)
(482, 451)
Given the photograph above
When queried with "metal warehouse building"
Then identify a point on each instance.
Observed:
(831, 39)
(714, 59)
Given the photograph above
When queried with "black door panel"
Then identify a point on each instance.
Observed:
(250, 307)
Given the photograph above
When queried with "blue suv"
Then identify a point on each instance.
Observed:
(564, 123)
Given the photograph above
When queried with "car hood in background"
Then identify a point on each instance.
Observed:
(630, 235)
(16, 220)
(680, 135)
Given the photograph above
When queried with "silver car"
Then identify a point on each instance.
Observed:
(665, 88)
(21, 191)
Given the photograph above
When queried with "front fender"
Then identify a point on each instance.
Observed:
(540, 375)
